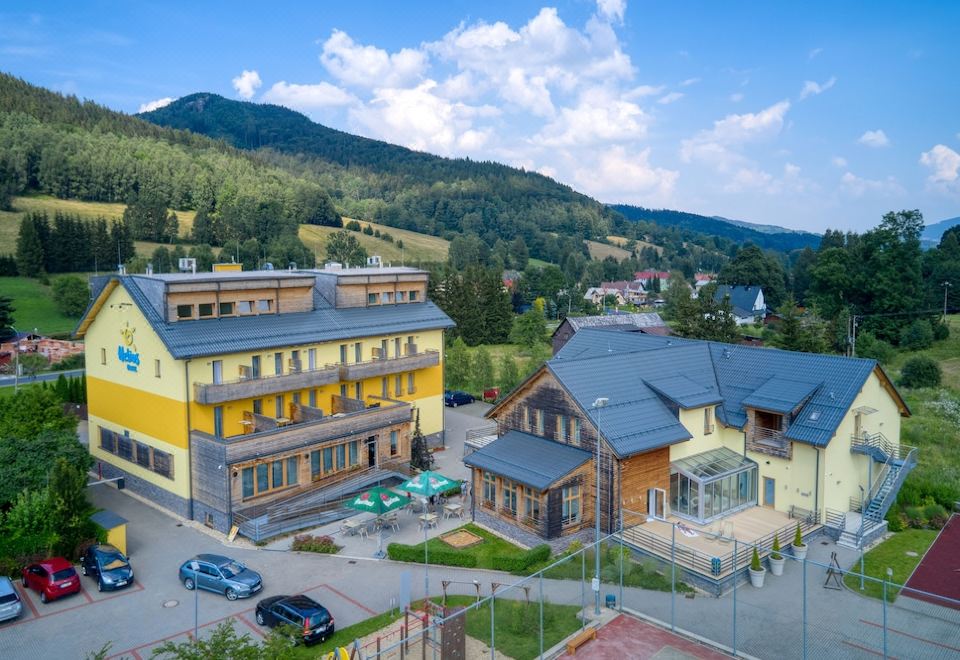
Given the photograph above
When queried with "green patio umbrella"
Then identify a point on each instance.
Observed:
(427, 484)
(378, 501)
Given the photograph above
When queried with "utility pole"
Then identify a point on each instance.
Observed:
(853, 345)
(946, 287)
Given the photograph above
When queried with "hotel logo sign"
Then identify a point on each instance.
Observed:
(127, 350)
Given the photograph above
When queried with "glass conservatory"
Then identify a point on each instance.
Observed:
(712, 484)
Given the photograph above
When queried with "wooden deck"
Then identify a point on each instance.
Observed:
(709, 549)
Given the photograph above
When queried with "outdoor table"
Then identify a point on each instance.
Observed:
(351, 526)
(428, 520)
(453, 509)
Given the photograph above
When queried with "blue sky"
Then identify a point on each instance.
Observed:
(810, 116)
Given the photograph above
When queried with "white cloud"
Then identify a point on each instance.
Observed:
(813, 53)
(670, 98)
(642, 91)
(719, 146)
(530, 93)
(308, 97)
(858, 187)
(689, 81)
(247, 84)
(154, 105)
(368, 66)
(944, 164)
(736, 97)
(756, 180)
(598, 118)
(811, 88)
(617, 175)
(876, 139)
(611, 10)
(839, 161)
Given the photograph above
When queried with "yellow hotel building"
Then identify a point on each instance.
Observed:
(255, 398)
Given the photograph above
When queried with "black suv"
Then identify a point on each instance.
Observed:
(300, 611)
(108, 565)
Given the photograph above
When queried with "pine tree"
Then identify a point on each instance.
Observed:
(483, 376)
(420, 456)
(31, 259)
(6, 318)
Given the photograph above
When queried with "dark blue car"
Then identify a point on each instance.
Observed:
(108, 565)
(454, 398)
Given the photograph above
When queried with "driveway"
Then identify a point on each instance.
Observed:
(458, 421)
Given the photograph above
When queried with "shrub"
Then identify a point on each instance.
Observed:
(798, 538)
(936, 515)
(520, 563)
(309, 543)
(895, 521)
(914, 516)
(870, 347)
(755, 561)
(920, 371)
(776, 547)
(917, 336)
(400, 552)
(941, 331)
(353, 225)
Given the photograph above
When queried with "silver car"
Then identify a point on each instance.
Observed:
(10, 605)
(220, 574)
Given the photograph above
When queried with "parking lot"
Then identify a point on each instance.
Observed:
(157, 607)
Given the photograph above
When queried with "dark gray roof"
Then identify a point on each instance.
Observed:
(528, 459)
(108, 519)
(646, 377)
(189, 339)
(637, 320)
(742, 298)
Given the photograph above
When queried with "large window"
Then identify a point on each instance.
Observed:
(576, 431)
(489, 489)
(142, 454)
(711, 484)
(510, 496)
(267, 477)
(394, 443)
(570, 510)
(531, 505)
(561, 428)
(218, 421)
(255, 366)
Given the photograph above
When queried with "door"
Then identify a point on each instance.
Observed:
(857, 425)
(217, 372)
(769, 492)
(372, 451)
(657, 503)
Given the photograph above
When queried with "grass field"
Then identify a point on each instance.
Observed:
(892, 553)
(602, 251)
(620, 241)
(34, 306)
(417, 247)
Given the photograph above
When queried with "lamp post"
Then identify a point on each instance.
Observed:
(601, 402)
(946, 287)
(16, 358)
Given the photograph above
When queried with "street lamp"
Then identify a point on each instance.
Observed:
(16, 358)
(601, 402)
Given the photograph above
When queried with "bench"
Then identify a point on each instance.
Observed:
(585, 636)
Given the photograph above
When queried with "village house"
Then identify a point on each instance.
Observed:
(239, 398)
(648, 322)
(747, 302)
(743, 441)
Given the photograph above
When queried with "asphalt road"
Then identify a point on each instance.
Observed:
(8, 381)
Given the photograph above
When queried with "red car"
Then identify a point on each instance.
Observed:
(53, 578)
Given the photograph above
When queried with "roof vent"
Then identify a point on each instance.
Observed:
(187, 265)
(833, 397)
(149, 269)
(333, 265)
(374, 261)
(726, 353)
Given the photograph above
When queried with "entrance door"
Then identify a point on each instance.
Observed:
(372, 451)
(769, 491)
(657, 503)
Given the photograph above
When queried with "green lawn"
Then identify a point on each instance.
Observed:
(34, 307)
(492, 546)
(892, 553)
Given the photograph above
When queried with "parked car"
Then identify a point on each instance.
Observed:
(220, 574)
(108, 565)
(10, 605)
(303, 612)
(53, 578)
(454, 398)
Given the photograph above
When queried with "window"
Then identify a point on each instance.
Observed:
(489, 489)
(401, 296)
(510, 496)
(576, 431)
(570, 511)
(137, 452)
(358, 352)
(218, 422)
(244, 306)
(410, 339)
(388, 297)
(526, 418)
(358, 390)
(561, 428)
(205, 309)
(108, 440)
(311, 359)
(264, 305)
(217, 371)
(156, 368)
(278, 402)
(312, 398)
(226, 309)
(125, 447)
(385, 387)
(343, 390)
(278, 363)
(531, 505)
(293, 466)
(263, 478)
(162, 463)
(246, 479)
(394, 443)
(540, 422)
(707, 421)
(341, 456)
(258, 406)
(354, 453)
(296, 398)
(184, 311)
(315, 464)
(255, 366)
(343, 353)
(328, 459)
(384, 346)
(372, 298)
(397, 351)
(103, 356)
(398, 385)
(295, 365)
(411, 383)
(143, 454)
(413, 296)
(276, 470)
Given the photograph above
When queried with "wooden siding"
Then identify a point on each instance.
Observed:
(394, 365)
(254, 388)
(640, 473)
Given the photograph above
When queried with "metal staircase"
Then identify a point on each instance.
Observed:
(897, 462)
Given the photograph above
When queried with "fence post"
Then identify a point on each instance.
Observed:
(673, 575)
(493, 644)
(736, 562)
(885, 613)
(541, 614)
(803, 564)
(620, 608)
(583, 580)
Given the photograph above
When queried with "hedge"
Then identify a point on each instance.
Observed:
(401, 552)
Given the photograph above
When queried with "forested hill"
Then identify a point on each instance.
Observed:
(783, 241)
(376, 181)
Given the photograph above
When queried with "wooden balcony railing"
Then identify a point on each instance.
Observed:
(386, 366)
(769, 441)
(254, 388)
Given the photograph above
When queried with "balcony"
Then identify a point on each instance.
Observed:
(304, 430)
(410, 361)
(249, 387)
(769, 441)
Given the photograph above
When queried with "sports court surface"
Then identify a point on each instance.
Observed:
(938, 572)
(627, 637)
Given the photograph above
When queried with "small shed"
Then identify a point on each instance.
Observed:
(116, 527)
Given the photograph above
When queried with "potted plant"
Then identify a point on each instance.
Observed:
(757, 571)
(799, 547)
(776, 558)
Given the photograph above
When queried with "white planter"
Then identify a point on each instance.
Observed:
(776, 565)
(800, 552)
(756, 577)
